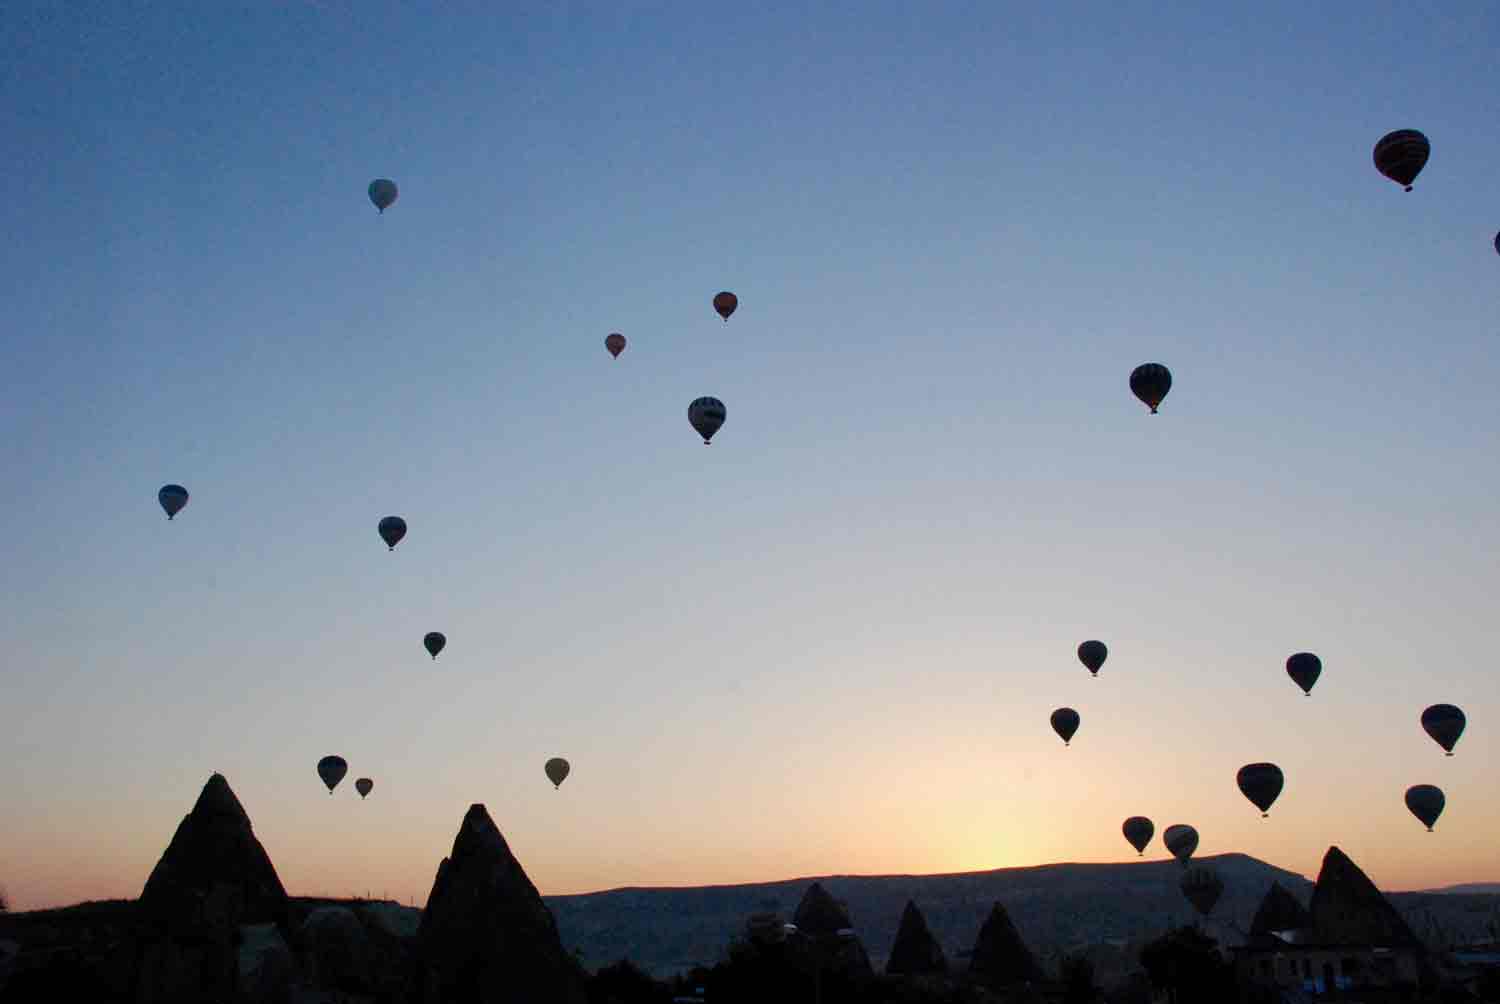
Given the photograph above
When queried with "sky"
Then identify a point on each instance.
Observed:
(830, 642)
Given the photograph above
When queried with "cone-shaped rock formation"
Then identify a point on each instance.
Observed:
(1280, 911)
(819, 914)
(915, 951)
(1347, 909)
(485, 933)
(215, 872)
(1001, 958)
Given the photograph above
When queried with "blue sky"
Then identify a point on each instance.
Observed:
(831, 641)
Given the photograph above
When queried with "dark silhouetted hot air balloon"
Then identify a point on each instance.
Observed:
(725, 303)
(1150, 382)
(434, 641)
(707, 414)
(392, 529)
(1497, 243)
(1202, 887)
(382, 193)
(1138, 831)
(1181, 840)
(1065, 723)
(557, 771)
(615, 343)
(1444, 723)
(1260, 783)
(172, 499)
(1304, 668)
(1092, 654)
(1401, 155)
(364, 786)
(1426, 802)
(332, 770)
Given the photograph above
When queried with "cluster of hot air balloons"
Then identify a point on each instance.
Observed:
(1400, 156)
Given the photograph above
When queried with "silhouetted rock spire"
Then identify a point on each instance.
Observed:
(1280, 911)
(1347, 909)
(1000, 957)
(915, 951)
(215, 872)
(485, 934)
(819, 914)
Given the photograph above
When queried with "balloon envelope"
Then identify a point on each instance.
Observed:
(1304, 668)
(707, 414)
(1202, 887)
(1401, 155)
(1444, 723)
(434, 641)
(1150, 382)
(1426, 802)
(557, 771)
(1181, 840)
(364, 786)
(382, 193)
(172, 499)
(615, 343)
(392, 529)
(332, 770)
(1092, 654)
(1065, 723)
(1138, 831)
(1260, 783)
(725, 303)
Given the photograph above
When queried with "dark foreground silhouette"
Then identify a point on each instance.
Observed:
(213, 923)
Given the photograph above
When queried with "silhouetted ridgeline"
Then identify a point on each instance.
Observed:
(214, 923)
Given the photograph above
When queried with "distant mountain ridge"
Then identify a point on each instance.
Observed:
(1055, 907)
(1106, 910)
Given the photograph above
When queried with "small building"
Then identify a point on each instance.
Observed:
(1349, 938)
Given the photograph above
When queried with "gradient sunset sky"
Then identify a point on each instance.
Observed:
(830, 642)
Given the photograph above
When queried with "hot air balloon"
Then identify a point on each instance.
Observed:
(434, 641)
(382, 193)
(725, 303)
(364, 786)
(1497, 243)
(1426, 802)
(1150, 382)
(615, 343)
(1138, 831)
(557, 771)
(1065, 723)
(332, 770)
(1304, 668)
(1181, 840)
(1444, 723)
(1401, 155)
(1260, 783)
(392, 529)
(1092, 654)
(707, 414)
(1202, 887)
(172, 499)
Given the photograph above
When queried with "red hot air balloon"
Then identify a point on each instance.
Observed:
(725, 303)
(615, 343)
